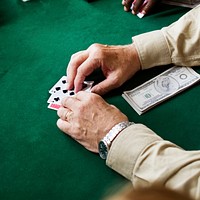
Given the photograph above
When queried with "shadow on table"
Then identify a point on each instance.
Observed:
(138, 79)
(7, 11)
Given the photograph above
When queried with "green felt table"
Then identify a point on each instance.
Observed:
(37, 38)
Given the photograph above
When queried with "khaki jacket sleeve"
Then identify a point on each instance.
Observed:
(146, 159)
(137, 152)
(178, 43)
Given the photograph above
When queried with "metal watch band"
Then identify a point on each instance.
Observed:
(105, 143)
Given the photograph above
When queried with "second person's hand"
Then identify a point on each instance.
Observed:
(142, 6)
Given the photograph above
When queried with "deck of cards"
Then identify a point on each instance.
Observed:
(59, 91)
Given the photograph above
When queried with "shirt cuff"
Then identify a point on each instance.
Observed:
(152, 49)
(127, 147)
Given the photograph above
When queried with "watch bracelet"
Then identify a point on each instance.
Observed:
(110, 136)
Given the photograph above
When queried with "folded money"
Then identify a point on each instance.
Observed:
(160, 88)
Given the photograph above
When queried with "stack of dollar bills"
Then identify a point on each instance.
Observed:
(160, 88)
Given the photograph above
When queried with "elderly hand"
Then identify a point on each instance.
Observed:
(142, 6)
(118, 64)
(87, 118)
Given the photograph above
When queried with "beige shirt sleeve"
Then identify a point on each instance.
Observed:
(146, 159)
(178, 43)
(138, 153)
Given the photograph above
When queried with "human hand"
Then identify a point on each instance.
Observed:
(136, 6)
(87, 118)
(118, 64)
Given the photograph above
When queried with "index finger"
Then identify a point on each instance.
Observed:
(85, 69)
(137, 5)
(76, 60)
(150, 4)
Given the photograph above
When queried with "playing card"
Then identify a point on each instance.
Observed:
(54, 106)
(59, 95)
(61, 84)
(59, 91)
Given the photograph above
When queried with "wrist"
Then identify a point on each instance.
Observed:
(106, 142)
(135, 57)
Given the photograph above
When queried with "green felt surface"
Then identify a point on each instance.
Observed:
(37, 38)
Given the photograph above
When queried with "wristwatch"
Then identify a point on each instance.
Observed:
(105, 143)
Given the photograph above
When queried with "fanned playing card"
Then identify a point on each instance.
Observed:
(59, 91)
(61, 84)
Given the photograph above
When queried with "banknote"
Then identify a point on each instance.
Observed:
(160, 88)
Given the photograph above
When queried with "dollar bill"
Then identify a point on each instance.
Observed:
(160, 88)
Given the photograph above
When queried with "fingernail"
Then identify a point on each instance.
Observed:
(126, 9)
(132, 6)
(123, 2)
(133, 12)
(141, 14)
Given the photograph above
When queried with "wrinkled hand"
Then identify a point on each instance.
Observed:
(87, 118)
(143, 6)
(118, 64)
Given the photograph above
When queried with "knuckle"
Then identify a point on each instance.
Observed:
(81, 109)
(73, 56)
(73, 61)
(94, 46)
(64, 101)
(92, 97)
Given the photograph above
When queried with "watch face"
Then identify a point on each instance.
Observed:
(103, 150)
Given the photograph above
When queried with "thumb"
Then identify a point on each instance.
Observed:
(104, 87)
